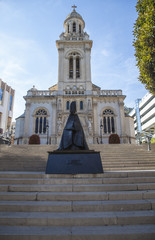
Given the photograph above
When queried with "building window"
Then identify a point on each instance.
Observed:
(71, 67)
(77, 67)
(40, 121)
(112, 124)
(80, 28)
(36, 125)
(105, 125)
(10, 103)
(1, 95)
(67, 105)
(68, 28)
(108, 121)
(74, 65)
(81, 105)
(74, 27)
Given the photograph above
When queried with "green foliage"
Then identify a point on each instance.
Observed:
(114, 139)
(153, 140)
(34, 139)
(144, 42)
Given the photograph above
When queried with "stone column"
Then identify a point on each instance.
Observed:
(122, 119)
(53, 122)
(87, 64)
(60, 68)
(27, 122)
(95, 120)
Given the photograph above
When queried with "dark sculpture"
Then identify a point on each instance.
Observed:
(73, 135)
(73, 155)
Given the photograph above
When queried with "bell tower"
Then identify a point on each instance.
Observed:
(74, 57)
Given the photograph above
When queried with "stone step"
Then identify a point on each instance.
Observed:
(127, 155)
(129, 232)
(107, 166)
(76, 218)
(127, 164)
(113, 158)
(136, 168)
(42, 175)
(128, 161)
(60, 181)
(77, 206)
(77, 188)
(77, 196)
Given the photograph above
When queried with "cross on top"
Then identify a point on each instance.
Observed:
(74, 7)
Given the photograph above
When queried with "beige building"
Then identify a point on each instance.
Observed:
(6, 107)
(101, 111)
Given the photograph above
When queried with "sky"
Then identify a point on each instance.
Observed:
(28, 54)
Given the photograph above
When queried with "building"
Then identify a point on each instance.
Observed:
(101, 111)
(6, 107)
(144, 114)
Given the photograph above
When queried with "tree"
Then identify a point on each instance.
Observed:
(144, 42)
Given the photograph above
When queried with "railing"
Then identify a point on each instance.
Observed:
(111, 92)
(54, 93)
(41, 93)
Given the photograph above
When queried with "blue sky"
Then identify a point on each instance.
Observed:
(28, 53)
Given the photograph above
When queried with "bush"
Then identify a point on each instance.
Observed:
(153, 140)
(34, 139)
(114, 139)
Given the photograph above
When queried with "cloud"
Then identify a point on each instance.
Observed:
(23, 63)
(105, 52)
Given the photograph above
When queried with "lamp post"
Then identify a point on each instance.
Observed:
(47, 128)
(101, 126)
(138, 137)
(149, 136)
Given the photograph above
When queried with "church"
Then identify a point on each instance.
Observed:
(101, 112)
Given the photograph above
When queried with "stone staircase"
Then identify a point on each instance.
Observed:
(113, 205)
(115, 157)
(116, 205)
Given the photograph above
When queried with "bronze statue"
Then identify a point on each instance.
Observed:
(73, 135)
(73, 155)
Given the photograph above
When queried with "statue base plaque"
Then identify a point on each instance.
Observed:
(74, 162)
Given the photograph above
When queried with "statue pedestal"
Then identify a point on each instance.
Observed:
(74, 162)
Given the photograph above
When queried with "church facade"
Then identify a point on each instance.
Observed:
(101, 112)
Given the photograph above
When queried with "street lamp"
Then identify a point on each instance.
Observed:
(47, 128)
(148, 136)
(101, 126)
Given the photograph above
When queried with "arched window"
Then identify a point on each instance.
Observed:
(74, 59)
(108, 121)
(80, 28)
(81, 105)
(74, 27)
(77, 67)
(71, 67)
(40, 121)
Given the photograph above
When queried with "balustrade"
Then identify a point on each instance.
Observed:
(41, 93)
(111, 92)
